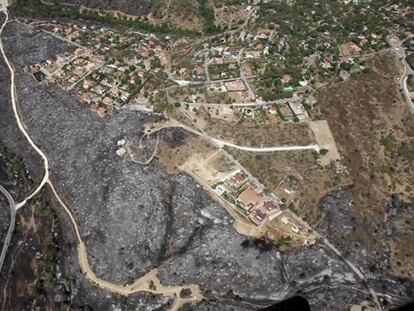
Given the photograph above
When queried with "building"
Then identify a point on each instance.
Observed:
(273, 110)
(311, 100)
(98, 90)
(257, 217)
(270, 207)
(86, 97)
(236, 181)
(87, 84)
(286, 113)
(107, 101)
(102, 112)
(226, 110)
(252, 54)
(250, 198)
(203, 110)
(298, 110)
(286, 79)
(350, 49)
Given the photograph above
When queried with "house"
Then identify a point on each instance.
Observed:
(87, 84)
(263, 35)
(252, 54)
(34, 68)
(217, 50)
(143, 53)
(198, 70)
(236, 181)
(311, 100)
(107, 101)
(298, 110)
(257, 217)
(285, 220)
(273, 110)
(350, 49)
(271, 207)
(393, 40)
(286, 79)
(102, 112)
(151, 44)
(183, 71)
(87, 97)
(203, 110)
(250, 198)
(141, 99)
(98, 90)
(246, 69)
(286, 113)
(226, 110)
(61, 61)
(73, 79)
(327, 64)
(79, 71)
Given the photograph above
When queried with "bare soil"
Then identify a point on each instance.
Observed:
(298, 171)
(173, 158)
(375, 135)
(267, 134)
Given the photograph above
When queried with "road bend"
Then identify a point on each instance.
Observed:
(404, 78)
(140, 284)
(355, 269)
(18, 120)
(222, 143)
(11, 225)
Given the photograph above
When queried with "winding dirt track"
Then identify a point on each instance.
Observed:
(143, 284)
(150, 282)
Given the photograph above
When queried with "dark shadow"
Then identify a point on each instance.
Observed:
(407, 307)
(296, 303)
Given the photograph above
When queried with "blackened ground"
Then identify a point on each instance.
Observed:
(32, 46)
(4, 218)
(135, 217)
(338, 224)
(20, 166)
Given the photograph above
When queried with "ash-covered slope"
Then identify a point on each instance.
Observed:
(134, 217)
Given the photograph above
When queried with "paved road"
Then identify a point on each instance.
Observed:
(403, 81)
(11, 225)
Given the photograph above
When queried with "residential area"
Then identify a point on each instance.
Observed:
(106, 70)
(259, 75)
